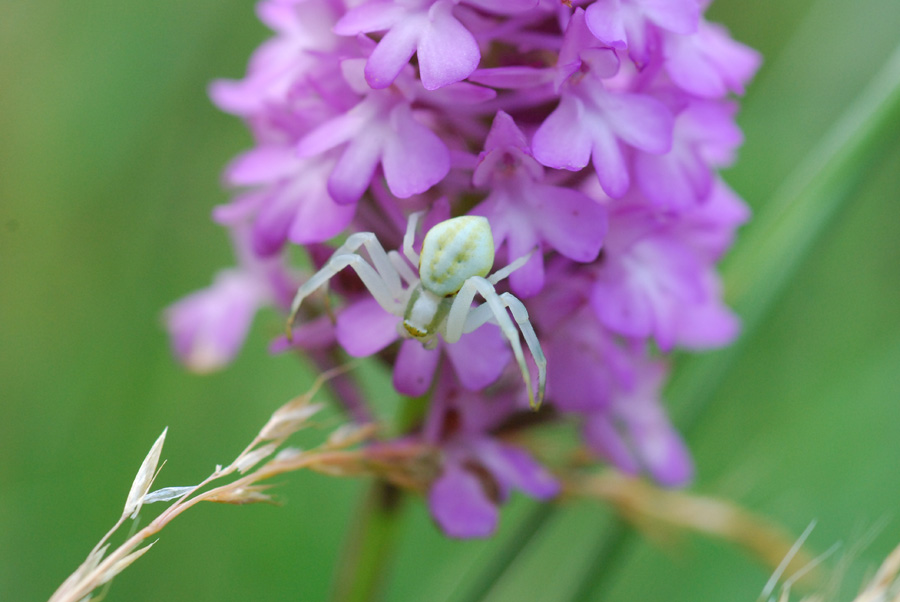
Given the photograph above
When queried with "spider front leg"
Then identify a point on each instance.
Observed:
(381, 288)
(402, 266)
(410, 236)
(534, 346)
(505, 272)
(481, 314)
(380, 259)
(458, 321)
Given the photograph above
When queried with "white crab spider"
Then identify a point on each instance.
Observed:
(457, 255)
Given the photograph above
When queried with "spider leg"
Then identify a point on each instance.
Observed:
(484, 313)
(369, 276)
(505, 272)
(379, 258)
(410, 237)
(460, 312)
(402, 266)
(534, 346)
(458, 322)
(477, 316)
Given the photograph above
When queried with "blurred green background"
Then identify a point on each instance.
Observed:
(110, 155)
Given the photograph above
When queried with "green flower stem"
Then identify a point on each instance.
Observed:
(368, 552)
(370, 544)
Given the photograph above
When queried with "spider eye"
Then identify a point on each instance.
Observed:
(455, 250)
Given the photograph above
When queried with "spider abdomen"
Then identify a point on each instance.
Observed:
(455, 250)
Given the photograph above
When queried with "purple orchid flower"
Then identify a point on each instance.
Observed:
(291, 203)
(710, 64)
(364, 112)
(381, 129)
(704, 138)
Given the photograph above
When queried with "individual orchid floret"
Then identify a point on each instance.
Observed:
(709, 323)
(587, 362)
(631, 24)
(287, 74)
(652, 283)
(446, 51)
(593, 123)
(526, 213)
(381, 129)
(710, 227)
(634, 433)
(704, 138)
(208, 327)
(478, 472)
(291, 201)
(578, 55)
(462, 500)
(478, 360)
(710, 63)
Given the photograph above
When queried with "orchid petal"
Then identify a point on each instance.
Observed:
(414, 368)
(447, 52)
(459, 504)
(365, 328)
(562, 141)
(415, 158)
(479, 357)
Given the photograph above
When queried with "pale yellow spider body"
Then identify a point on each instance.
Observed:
(457, 256)
(455, 250)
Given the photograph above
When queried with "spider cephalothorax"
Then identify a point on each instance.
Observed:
(457, 255)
